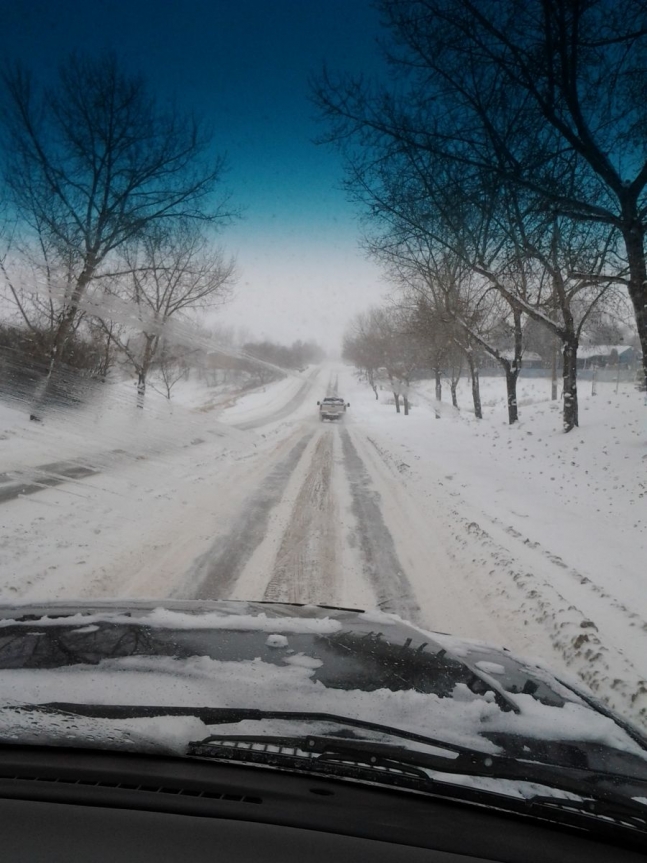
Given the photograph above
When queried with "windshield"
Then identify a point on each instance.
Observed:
(217, 221)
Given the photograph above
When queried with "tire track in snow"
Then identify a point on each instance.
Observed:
(632, 618)
(381, 565)
(606, 670)
(306, 567)
(507, 584)
(216, 571)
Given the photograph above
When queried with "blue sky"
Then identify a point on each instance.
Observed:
(244, 64)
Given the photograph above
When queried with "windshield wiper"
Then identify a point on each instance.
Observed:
(227, 715)
(601, 793)
(599, 804)
(631, 813)
(606, 795)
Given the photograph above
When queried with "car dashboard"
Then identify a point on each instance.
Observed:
(69, 805)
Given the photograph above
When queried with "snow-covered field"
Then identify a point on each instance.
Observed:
(522, 536)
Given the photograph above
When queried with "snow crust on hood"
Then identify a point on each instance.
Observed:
(204, 682)
(166, 618)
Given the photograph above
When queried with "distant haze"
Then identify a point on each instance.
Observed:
(297, 288)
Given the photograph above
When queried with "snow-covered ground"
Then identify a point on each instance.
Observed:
(264, 400)
(158, 484)
(550, 529)
(522, 536)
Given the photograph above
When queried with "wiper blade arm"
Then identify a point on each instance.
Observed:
(615, 789)
(321, 754)
(226, 715)
(628, 812)
(399, 766)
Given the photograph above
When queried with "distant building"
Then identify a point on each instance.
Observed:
(601, 356)
(529, 360)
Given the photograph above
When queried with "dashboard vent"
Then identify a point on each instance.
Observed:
(178, 791)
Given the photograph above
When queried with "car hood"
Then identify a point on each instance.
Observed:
(366, 666)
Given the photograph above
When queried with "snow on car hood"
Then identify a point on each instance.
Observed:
(272, 657)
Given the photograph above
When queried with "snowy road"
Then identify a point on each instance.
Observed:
(284, 410)
(18, 483)
(330, 518)
(312, 532)
(269, 503)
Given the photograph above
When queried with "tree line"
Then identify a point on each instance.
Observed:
(502, 169)
(407, 339)
(112, 200)
(250, 363)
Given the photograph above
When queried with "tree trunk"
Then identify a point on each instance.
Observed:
(396, 396)
(61, 337)
(553, 380)
(570, 384)
(634, 237)
(405, 402)
(452, 387)
(476, 394)
(141, 389)
(106, 360)
(149, 351)
(439, 391)
(372, 384)
(476, 387)
(511, 376)
(512, 369)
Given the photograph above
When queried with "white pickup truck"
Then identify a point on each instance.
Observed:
(332, 408)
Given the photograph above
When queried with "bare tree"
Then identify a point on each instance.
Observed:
(30, 276)
(442, 344)
(546, 97)
(553, 293)
(406, 351)
(384, 340)
(423, 213)
(478, 316)
(93, 162)
(362, 347)
(454, 230)
(450, 261)
(167, 275)
(172, 366)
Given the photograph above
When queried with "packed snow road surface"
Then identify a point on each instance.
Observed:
(425, 518)
(312, 532)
